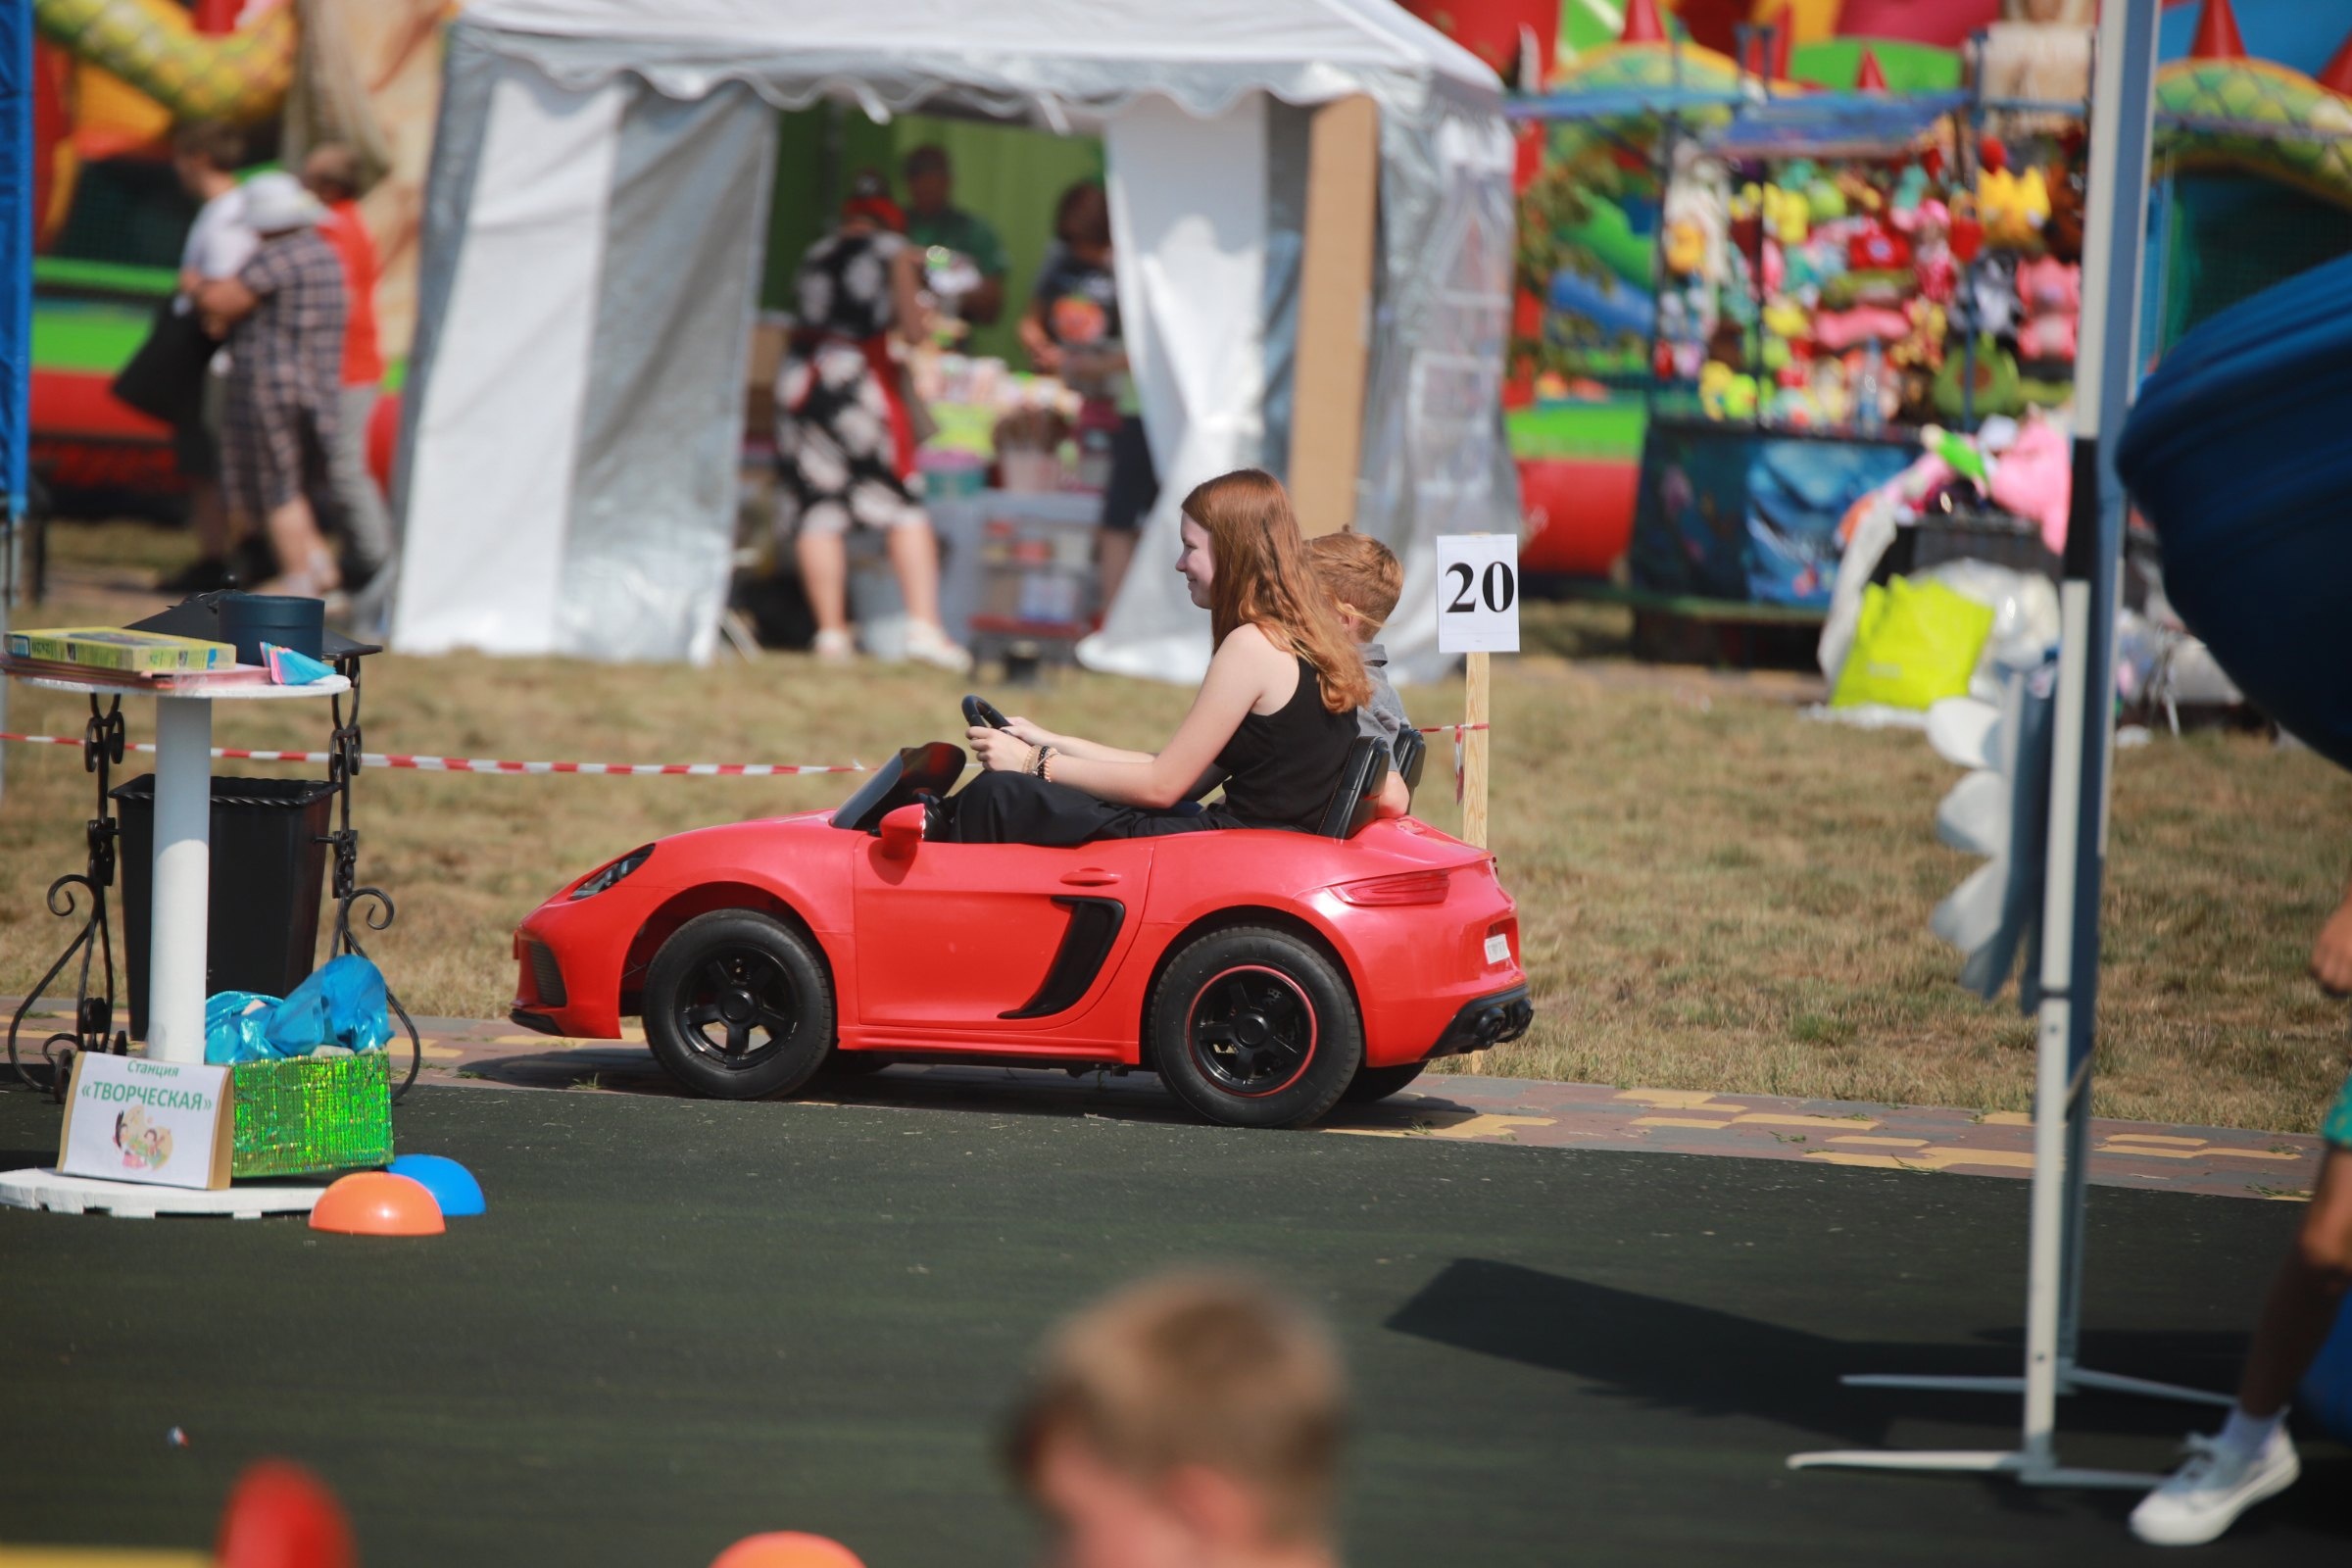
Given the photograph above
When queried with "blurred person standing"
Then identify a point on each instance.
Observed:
(2252, 1457)
(284, 313)
(844, 434)
(934, 220)
(206, 155)
(1187, 1422)
(331, 172)
(1072, 329)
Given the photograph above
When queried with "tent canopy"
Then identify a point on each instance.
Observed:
(591, 234)
(1010, 57)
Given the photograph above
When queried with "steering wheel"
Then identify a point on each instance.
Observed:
(980, 711)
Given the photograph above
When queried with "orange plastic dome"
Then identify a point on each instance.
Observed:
(376, 1203)
(787, 1548)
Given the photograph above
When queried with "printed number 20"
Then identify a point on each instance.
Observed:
(1498, 588)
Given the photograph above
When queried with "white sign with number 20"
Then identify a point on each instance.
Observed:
(1478, 592)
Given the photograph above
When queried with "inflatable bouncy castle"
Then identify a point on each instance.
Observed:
(111, 78)
(2254, 149)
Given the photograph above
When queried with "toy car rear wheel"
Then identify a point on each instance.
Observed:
(737, 1006)
(1255, 1027)
(1379, 1083)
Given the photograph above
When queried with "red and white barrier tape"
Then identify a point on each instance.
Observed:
(484, 764)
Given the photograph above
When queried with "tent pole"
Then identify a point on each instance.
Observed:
(2115, 221)
(16, 304)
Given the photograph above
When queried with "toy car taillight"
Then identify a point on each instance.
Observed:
(1406, 886)
(601, 880)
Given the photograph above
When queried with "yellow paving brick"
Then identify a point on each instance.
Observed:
(2008, 1118)
(1489, 1126)
(1678, 1121)
(100, 1557)
(2219, 1153)
(1676, 1099)
(1767, 1118)
(2155, 1138)
(1934, 1159)
(1946, 1159)
(434, 1051)
(1884, 1143)
(2140, 1152)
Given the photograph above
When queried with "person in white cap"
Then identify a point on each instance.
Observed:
(285, 311)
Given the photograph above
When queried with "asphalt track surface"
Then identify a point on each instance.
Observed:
(682, 1322)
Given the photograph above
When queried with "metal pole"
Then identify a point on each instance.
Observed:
(2115, 222)
(15, 299)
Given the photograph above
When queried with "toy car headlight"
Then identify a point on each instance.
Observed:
(601, 880)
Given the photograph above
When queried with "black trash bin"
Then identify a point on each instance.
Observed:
(269, 859)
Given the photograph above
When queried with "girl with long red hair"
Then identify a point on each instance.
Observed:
(1272, 722)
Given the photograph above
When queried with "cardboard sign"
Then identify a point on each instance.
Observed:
(1478, 592)
(165, 1123)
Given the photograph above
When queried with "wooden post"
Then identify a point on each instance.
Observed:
(1474, 749)
(1474, 779)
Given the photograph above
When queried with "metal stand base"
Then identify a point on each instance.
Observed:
(342, 767)
(2071, 1379)
(93, 1013)
(2023, 1468)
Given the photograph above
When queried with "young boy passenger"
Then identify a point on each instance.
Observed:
(1191, 1421)
(1363, 577)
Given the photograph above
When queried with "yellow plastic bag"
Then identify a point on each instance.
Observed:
(1915, 643)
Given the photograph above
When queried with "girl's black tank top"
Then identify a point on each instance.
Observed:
(1282, 767)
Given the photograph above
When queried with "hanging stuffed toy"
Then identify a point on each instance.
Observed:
(2050, 293)
(2014, 207)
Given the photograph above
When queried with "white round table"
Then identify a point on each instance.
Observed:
(180, 902)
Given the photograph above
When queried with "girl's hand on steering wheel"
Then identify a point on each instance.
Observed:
(1000, 751)
(1031, 731)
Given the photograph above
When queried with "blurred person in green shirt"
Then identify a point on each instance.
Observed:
(934, 220)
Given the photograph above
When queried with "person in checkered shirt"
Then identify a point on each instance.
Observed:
(285, 311)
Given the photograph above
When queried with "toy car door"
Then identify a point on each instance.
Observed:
(988, 939)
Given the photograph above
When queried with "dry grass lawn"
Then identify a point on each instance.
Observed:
(1715, 893)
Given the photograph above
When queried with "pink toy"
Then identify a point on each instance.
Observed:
(1839, 330)
(2034, 479)
(2050, 294)
(1938, 276)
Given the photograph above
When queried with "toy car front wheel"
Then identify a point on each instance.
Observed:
(737, 1006)
(1255, 1028)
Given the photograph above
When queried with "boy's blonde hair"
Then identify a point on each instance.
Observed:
(1196, 1369)
(1364, 574)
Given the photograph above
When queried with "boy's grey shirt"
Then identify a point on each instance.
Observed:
(1384, 715)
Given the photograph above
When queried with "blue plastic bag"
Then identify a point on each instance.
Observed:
(340, 1005)
(236, 1027)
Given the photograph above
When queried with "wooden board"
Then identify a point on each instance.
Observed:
(1335, 298)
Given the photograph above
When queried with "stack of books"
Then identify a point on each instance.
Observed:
(109, 656)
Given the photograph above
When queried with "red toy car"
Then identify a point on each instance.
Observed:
(1261, 974)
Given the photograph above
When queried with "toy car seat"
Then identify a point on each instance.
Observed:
(1356, 801)
(1411, 751)
(928, 770)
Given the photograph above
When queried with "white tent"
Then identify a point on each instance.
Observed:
(592, 238)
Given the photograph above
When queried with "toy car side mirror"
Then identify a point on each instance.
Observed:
(901, 832)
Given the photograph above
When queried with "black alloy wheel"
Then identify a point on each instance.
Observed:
(1255, 1027)
(738, 1005)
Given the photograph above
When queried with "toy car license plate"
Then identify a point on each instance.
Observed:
(1498, 949)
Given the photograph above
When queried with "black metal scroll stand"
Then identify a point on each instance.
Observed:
(93, 1015)
(343, 766)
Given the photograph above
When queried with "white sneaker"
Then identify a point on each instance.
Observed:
(926, 644)
(2212, 1488)
(835, 648)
